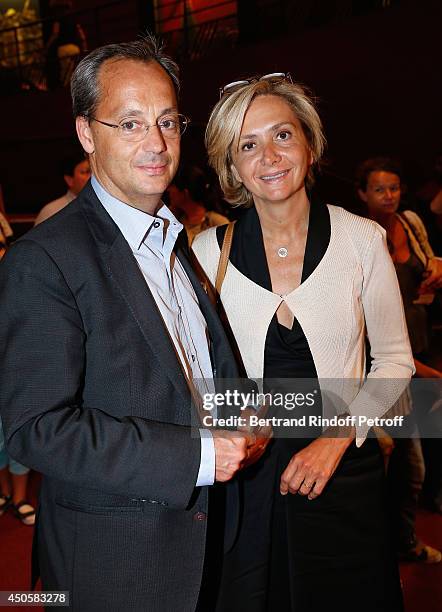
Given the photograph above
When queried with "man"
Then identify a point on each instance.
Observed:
(105, 327)
(76, 173)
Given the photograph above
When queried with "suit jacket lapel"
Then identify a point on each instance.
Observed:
(127, 276)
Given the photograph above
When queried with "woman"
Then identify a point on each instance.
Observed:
(419, 273)
(303, 283)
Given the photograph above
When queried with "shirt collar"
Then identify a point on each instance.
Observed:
(136, 225)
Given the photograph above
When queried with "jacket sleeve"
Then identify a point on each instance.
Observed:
(47, 427)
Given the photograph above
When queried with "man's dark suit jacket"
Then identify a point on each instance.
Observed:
(93, 396)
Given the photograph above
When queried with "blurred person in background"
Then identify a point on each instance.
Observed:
(429, 196)
(191, 201)
(67, 41)
(76, 173)
(436, 209)
(13, 486)
(13, 475)
(419, 272)
(6, 234)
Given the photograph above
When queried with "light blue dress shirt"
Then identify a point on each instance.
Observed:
(152, 240)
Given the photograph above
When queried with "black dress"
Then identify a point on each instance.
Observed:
(293, 554)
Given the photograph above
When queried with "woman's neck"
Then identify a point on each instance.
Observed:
(284, 220)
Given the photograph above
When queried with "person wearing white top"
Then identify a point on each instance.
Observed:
(304, 285)
(76, 173)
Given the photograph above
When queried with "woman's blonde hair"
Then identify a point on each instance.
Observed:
(225, 124)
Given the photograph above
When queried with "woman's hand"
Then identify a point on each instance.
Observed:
(311, 468)
(256, 450)
(433, 275)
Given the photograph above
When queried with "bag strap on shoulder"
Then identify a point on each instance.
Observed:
(414, 232)
(224, 257)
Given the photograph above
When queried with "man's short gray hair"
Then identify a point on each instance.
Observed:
(85, 89)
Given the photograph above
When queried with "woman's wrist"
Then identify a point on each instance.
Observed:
(341, 434)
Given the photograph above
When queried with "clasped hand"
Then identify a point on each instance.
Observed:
(235, 450)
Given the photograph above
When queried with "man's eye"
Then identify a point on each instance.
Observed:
(130, 126)
(168, 123)
(284, 135)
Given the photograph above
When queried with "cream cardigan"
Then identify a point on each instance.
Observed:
(352, 292)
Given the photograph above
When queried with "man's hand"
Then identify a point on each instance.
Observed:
(230, 452)
(311, 468)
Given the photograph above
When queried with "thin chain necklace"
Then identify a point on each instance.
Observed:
(281, 251)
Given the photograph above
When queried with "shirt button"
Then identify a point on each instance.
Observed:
(157, 224)
(199, 516)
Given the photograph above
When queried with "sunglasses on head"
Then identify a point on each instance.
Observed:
(273, 77)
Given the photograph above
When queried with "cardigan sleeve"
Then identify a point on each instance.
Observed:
(205, 246)
(392, 361)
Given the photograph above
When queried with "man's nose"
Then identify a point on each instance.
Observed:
(154, 140)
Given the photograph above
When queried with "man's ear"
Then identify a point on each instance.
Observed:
(84, 134)
(235, 173)
(362, 195)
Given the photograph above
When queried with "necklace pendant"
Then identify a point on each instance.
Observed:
(282, 252)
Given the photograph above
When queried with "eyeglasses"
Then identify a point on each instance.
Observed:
(273, 77)
(134, 130)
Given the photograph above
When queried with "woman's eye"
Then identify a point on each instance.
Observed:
(284, 135)
(248, 146)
